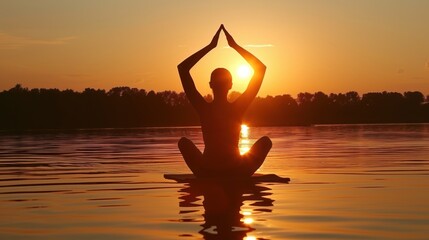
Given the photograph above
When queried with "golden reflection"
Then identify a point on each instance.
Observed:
(244, 150)
(246, 217)
(248, 220)
(244, 144)
(219, 203)
(244, 133)
(246, 212)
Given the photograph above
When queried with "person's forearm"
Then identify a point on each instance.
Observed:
(189, 62)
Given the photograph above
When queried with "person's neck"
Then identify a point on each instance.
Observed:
(220, 98)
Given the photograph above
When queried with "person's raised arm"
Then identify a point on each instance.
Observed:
(259, 71)
(184, 71)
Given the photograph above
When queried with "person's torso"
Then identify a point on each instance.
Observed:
(221, 125)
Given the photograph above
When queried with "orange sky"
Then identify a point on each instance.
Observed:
(329, 46)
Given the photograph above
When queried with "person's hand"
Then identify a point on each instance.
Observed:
(229, 38)
(215, 39)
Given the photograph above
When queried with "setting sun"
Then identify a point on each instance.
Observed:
(244, 71)
(243, 120)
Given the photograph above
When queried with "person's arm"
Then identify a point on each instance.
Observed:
(185, 76)
(259, 71)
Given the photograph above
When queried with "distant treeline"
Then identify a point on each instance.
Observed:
(123, 107)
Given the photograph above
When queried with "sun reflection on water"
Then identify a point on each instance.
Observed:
(249, 238)
(244, 144)
(247, 219)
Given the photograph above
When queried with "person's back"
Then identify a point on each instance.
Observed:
(221, 120)
(220, 124)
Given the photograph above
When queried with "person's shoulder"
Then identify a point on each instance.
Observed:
(202, 106)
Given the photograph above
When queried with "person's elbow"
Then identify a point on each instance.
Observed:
(261, 68)
(181, 68)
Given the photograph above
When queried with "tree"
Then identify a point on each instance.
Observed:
(23, 108)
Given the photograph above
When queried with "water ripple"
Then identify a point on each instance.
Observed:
(349, 182)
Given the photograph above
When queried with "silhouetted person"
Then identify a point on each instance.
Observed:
(221, 120)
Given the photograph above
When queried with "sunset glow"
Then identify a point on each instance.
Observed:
(244, 71)
(327, 46)
(227, 119)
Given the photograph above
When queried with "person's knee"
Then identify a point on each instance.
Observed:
(183, 142)
(266, 142)
(262, 146)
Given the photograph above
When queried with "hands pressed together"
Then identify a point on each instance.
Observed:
(229, 38)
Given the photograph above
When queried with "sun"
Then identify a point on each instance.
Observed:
(244, 71)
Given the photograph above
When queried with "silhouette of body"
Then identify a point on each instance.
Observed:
(221, 120)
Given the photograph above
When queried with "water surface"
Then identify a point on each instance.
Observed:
(348, 182)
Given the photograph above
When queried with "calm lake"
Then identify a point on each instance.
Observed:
(347, 182)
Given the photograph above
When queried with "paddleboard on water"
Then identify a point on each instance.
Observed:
(257, 177)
